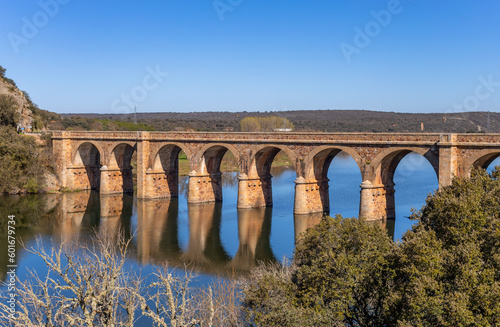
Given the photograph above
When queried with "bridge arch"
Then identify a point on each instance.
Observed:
(312, 190)
(86, 161)
(208, 159)
(121, 155)
(318, 161)
(255, 186)
(86, 150)
(385, 163)
(117, 175)
(162, 176)
(377, 190)
(166, 158)
(481, 159)
(262, 159)
(205, 180)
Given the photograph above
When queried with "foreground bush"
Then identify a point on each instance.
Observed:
(449, 264)
(342, 275)
(346, 272)
(19, 162)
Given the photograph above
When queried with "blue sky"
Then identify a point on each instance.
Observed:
(253, 55)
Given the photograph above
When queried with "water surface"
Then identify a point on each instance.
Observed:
(218, 239)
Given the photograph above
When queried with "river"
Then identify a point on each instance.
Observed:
(216, 238)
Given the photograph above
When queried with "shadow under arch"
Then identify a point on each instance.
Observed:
(263, 157)
(208, 159)
(117, 176)
(163, 177)
(86, 167)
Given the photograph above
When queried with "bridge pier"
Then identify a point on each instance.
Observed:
(204, 188)
(448, 160)
(377, 201)
(116, 180)
(311, 196)
(161, 184)
(82, 177)
(254, 192)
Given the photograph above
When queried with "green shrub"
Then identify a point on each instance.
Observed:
(446, 272)
(18, 161)
(8, 114)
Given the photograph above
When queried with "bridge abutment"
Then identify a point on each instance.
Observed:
(377, 201)
(311, 196)
(254, 192)
(205, 188)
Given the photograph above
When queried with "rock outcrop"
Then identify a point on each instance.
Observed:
(22, 104)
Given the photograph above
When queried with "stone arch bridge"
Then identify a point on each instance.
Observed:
(102, 160)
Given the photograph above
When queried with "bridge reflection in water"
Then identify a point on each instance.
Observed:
(153, 225)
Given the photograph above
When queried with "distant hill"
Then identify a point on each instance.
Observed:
(309, 120)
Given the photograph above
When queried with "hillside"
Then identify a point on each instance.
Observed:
(25, 158)
(8, 90)
(306, 120)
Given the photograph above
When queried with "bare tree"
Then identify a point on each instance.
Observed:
(85, 287)
(90, 286)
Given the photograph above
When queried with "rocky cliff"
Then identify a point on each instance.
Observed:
(22, 104)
